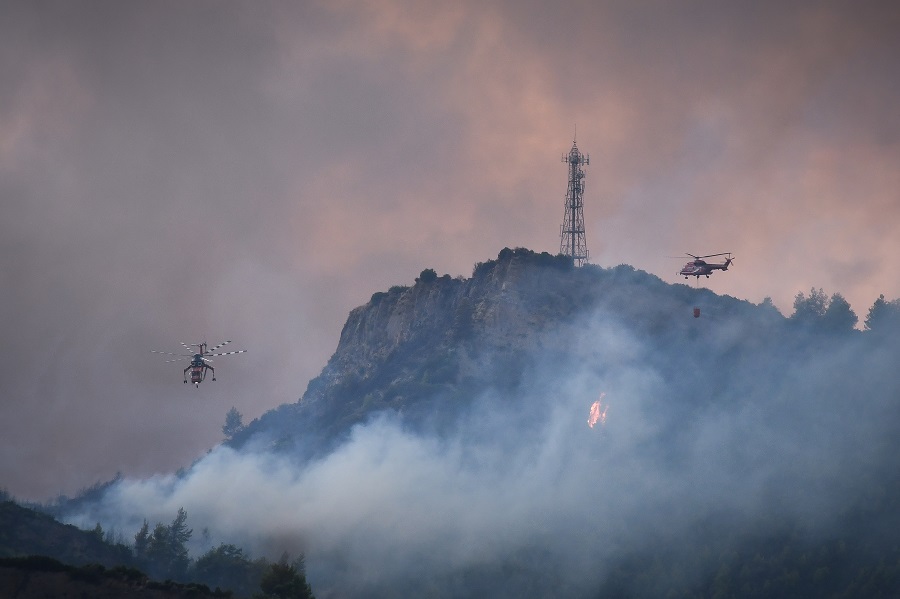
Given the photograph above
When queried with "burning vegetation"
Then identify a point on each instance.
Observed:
(598, 412)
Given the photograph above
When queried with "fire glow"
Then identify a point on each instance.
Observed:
(598, 412)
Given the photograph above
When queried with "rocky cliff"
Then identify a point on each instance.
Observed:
(436, 342)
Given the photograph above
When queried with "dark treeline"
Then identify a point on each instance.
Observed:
(163, 554)
(38, 542)
(38, 576)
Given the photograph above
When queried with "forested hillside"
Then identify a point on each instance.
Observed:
(40, 557)
(39, 577)
(543, 430)
(24, 532)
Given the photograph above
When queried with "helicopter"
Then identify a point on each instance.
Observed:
(200, 363)
(699, 267)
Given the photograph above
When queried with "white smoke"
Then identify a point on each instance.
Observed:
(527, 483)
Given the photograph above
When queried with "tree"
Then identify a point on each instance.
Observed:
(158, 553)
(769, 311)
(427, 276)
(98, 532)
(769, 305)
(233, 424)
(838, 316)
(141, 541)
(166, 555)
(808, 310)
(179, 535)
(818, 310)
(883, 315)
(227, 567)
(285, 581)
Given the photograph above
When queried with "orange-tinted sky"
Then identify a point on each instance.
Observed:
(210, 170)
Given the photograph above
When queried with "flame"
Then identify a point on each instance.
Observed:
(598, 412)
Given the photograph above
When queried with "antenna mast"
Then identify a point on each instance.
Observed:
(571, 235)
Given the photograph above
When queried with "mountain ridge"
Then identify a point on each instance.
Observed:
(450, 337)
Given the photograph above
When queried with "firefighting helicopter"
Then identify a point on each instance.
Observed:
(200, 361)
(699, 267)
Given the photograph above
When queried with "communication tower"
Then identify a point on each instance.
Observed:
(571, 235)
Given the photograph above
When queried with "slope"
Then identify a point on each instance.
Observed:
(24, 532)
(441, 342)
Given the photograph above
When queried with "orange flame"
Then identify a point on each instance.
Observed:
(598, 412)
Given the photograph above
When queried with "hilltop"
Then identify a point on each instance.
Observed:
(441, 341)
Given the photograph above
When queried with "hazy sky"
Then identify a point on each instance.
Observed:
(186, 171)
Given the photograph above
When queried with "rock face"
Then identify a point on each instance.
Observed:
(431, 345)
(442, 323)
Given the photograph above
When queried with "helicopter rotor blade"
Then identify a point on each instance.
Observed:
(714, 255)
(220, 345)
(229, 353)
(168, 353)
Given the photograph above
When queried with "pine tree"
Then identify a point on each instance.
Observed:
(884, 316)
(158, 552)
(810, 309)
(838, 316)
(233, 424)
(141, 541)
(98, 532)
(227, 567)
(285, 581)
(165, 551)
(179, 535)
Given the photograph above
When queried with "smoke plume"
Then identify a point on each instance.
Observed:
(747, 429)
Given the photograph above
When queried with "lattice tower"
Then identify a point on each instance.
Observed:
(572, 241)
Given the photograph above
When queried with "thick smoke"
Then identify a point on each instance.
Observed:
(735, 425)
